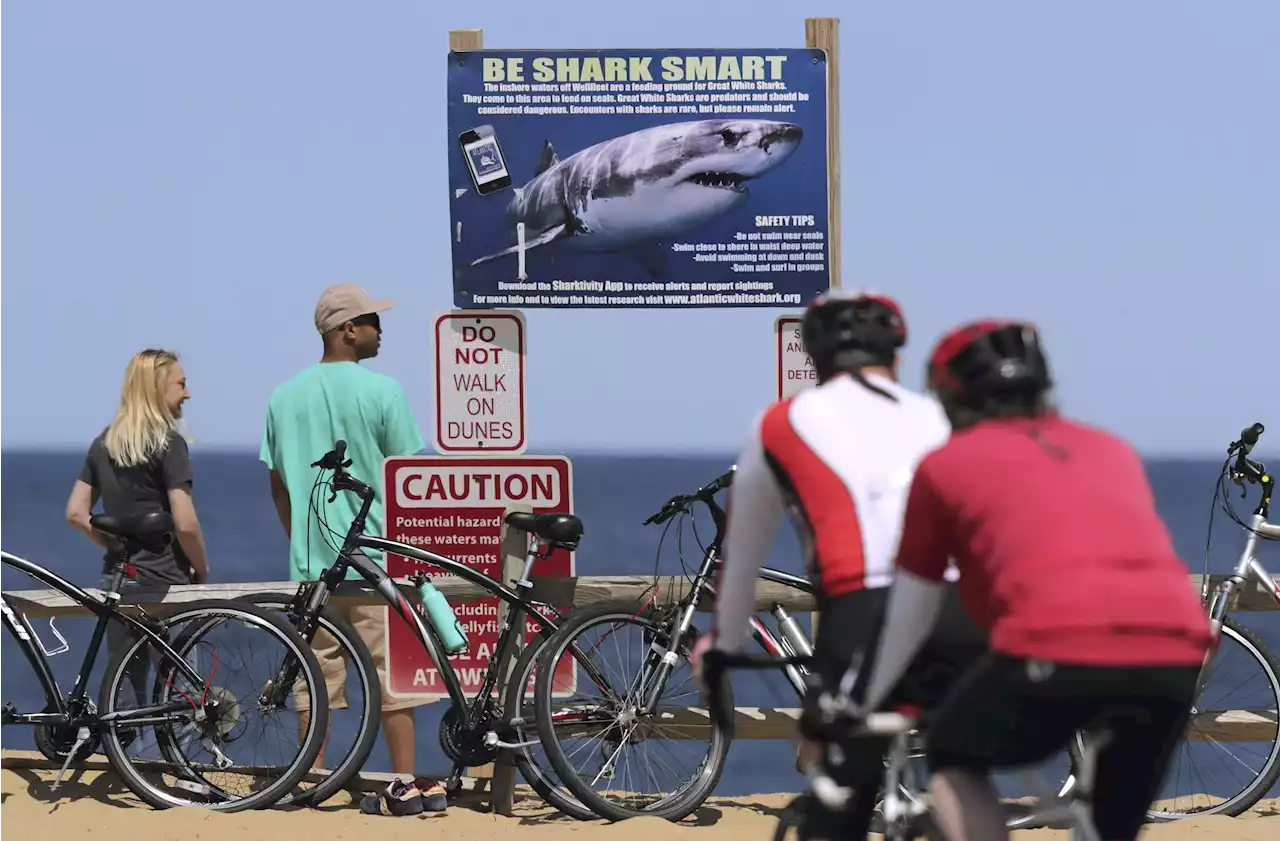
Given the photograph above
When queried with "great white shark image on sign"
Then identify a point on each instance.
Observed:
(635, 192)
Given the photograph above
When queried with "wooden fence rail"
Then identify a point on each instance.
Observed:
(561, 592)
(686, 722)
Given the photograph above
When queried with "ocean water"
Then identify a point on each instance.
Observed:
(613, 494)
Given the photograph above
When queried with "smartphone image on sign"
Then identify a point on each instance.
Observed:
(484, 159)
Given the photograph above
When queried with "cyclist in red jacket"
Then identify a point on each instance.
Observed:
(1064, 559)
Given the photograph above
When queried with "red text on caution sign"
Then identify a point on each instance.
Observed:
(453, 506)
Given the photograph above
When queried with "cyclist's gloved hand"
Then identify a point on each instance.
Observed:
(710, 674)
(695, 659)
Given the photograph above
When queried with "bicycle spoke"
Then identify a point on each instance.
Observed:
(635, 759)
(1209, 773)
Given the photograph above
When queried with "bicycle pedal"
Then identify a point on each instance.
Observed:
(8, 713)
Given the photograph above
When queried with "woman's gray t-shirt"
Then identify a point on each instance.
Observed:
(128, 491)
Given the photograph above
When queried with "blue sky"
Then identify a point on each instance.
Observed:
(193, 174)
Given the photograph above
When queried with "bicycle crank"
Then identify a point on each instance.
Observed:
(466, 744)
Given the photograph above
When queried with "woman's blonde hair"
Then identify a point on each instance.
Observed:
(143, 422)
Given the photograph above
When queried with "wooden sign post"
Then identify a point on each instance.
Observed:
(820, 33)
(824, 34)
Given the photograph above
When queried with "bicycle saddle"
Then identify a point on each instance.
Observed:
(150, 528)
(563, 530)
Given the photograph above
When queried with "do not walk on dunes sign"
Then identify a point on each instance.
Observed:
(480, 382)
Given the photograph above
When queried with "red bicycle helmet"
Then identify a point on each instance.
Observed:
(989, 358)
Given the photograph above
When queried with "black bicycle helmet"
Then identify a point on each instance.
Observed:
(846, 331)
(989, 359)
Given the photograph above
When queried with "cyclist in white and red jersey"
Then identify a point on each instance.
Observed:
(838, 457)
(1065, 560)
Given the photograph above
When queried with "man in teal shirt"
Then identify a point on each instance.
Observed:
(333, 399)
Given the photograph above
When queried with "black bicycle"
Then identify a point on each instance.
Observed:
(903, 809)
(169, 690)
(623, 747)
(473, 730)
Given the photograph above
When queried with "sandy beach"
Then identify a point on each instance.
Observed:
(95, 802)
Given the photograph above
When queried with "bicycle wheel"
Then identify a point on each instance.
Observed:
(531, 760)
(1248, 772)
(353, 725)
(178, 777)
(611, 719)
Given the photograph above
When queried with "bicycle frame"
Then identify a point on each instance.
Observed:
(792, 643)
(520, 606)
(1247, 567)
(105, 609)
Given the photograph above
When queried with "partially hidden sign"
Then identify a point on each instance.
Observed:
(480, 382)
(794, 367)
(453, 506)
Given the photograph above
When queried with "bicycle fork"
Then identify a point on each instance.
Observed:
(793, 643)
(668, 656)
(307, 603)
(1218, 607)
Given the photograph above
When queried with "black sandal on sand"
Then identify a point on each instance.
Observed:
(398, 799)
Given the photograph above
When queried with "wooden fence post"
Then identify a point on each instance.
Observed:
(514, 547)
(464, 40)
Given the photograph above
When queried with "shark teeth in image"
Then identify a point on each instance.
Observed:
(720, 180)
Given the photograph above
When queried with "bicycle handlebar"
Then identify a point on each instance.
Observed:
(342, 480)
(1249, 437)
(1244, 466)
(681, 502)
(716, 663)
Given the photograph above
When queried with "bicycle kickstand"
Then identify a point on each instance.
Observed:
(453, 783)
(82, 736)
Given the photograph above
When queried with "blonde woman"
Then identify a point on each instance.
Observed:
(140, 463)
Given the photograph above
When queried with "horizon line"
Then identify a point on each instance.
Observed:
(644, 450)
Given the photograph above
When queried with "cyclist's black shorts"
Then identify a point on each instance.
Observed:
(1008, 712)
(849, 629)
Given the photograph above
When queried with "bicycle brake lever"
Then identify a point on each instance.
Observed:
(333, 495)
(1238, 478)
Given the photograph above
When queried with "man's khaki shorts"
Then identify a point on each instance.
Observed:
(370, 624)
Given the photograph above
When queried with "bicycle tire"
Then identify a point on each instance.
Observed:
(268, 621)
(541, 780)
(1270, 772)
(356, 652)
(672, 808)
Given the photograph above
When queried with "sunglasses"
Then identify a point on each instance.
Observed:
(370, 319)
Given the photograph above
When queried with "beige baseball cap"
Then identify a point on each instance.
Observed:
(344, 302)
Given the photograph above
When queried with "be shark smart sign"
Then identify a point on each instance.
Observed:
(624, 178)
